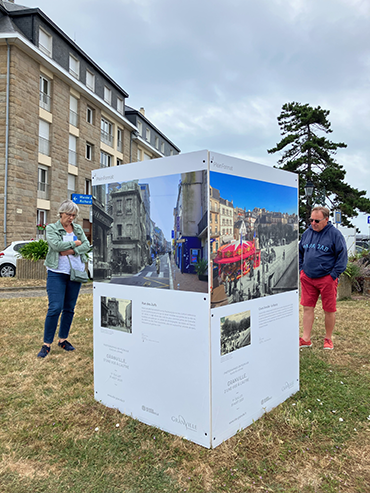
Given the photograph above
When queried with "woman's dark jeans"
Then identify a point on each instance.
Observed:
(62, 294)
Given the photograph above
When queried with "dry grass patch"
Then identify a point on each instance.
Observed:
(48, 421)
(14, 282)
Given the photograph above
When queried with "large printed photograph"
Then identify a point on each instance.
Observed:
(253, 238)
(152, 232)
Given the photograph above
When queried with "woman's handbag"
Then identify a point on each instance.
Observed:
(78, 275)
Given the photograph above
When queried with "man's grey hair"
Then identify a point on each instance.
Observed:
(325, 211)
(68, 207)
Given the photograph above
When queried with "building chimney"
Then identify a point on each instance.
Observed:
(142, 111)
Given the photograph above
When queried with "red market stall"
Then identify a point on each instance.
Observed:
(237, 259)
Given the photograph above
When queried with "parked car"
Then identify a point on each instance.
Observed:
(8, 258)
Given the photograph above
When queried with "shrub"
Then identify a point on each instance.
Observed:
(35, 250)
(201, 266)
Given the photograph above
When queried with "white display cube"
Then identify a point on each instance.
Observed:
(198, 356)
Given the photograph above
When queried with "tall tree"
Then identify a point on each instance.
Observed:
(310, 154)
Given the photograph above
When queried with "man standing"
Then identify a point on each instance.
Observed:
(322, 258)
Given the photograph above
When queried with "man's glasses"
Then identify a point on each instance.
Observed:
(316, 220)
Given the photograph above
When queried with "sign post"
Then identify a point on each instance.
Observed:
(79, 198)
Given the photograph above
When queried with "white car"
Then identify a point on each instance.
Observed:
(8, 258)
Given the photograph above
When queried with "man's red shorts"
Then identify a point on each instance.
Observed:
(324, 286)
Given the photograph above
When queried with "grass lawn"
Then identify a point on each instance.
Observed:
(54, 437)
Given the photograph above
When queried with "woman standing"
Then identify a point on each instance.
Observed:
(67, 242)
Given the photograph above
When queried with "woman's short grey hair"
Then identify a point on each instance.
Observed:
(68, 207)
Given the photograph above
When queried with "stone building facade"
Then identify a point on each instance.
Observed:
(61, 116)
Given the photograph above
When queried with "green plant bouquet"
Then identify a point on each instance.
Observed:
(35, 250)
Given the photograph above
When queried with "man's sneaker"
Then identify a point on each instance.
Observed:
(66, 345)
(303, 343)
(45, 350)
(328, 344)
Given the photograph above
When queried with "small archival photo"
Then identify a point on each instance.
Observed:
(235, 332)
(116, 314)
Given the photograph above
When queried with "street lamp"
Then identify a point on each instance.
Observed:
(308, 189)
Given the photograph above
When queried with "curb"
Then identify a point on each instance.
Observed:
(36, 288)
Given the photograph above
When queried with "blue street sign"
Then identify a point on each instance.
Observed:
(79, 198)
(337, 217)
(368, 219)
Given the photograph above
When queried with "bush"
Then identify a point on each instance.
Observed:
(35, 250)
(201, 266)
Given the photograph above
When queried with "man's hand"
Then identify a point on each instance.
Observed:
(78, 243)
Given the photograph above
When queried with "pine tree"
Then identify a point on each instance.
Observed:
(310, 154)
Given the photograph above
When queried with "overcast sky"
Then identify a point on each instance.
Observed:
(214, 75)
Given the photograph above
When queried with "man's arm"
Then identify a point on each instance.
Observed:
(341, 257)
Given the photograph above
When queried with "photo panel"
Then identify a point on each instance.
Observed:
(152, 232)
(254, 238)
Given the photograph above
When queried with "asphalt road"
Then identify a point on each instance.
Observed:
(34, 292)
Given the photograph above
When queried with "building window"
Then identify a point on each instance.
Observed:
(119, 229)
(128, 206)
(139, 154)
(147, 134)
(89, 151)
(119, 206)
(44, 142)
(90, 115)
(45, 87)
(140, 128)
(162, 148)
(171, 152)
(106, 132)
(45, 42)
(73, 111)
(90, 80)
(72, 151)
(88, 187)
(119, 162)
(146, 157)
(157, 142)
(107, 95)
(105, 160)
(119, 140)
(71, 185)
(41, 216)
(120, 106)
(43, 184)
(74, 67)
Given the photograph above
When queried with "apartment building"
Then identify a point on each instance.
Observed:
(61, 116)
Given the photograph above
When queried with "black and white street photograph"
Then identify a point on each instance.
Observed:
(235, 332)
(116, 314)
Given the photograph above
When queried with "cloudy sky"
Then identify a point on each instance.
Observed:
(214, 75)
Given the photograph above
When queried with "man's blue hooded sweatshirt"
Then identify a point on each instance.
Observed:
(322, 253)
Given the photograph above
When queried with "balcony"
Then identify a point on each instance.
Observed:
(45, 101)
(107, 138)
(43, 190)
(44, 146)
(73, 118)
